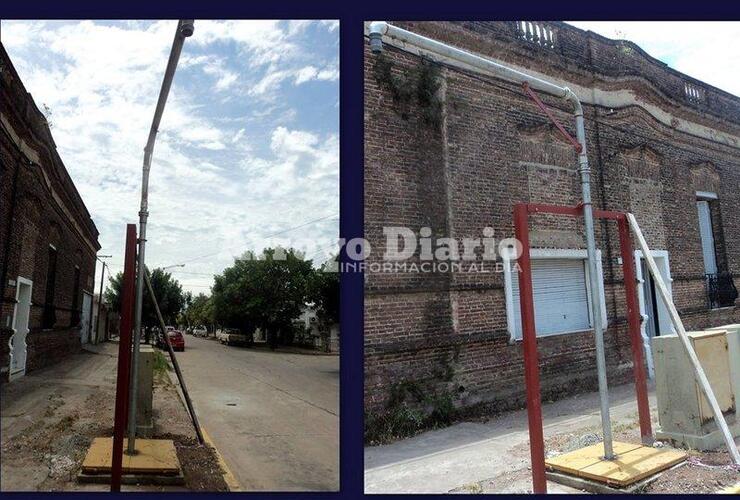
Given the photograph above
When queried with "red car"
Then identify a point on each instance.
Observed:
(177, 340)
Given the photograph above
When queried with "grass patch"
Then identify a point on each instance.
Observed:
(161, 365)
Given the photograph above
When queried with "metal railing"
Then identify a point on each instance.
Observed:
(721, 290)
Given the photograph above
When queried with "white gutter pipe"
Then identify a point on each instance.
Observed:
(380, 32)
(184, 29)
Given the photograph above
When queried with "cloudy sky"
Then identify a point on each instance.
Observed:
(248, 150)
(707, 51)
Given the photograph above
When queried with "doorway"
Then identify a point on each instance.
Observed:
(655, 319)
(85, 319)
(21, 316)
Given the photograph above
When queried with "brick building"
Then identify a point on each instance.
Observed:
(48, 241)
(453, 151)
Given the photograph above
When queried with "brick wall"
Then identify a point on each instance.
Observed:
(486, 147)
(39, 207)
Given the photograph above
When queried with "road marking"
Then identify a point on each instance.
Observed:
(229, 477)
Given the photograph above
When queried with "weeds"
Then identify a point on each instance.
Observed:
(410, 410)
(161, 365)
(419, 86)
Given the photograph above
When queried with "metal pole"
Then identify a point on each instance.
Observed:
(124, 357)
(184, 30)
(100, 295)
(468, 61)
(699, 374)
(175, 364)
(529, 345)
(633, 319)
(588, 224)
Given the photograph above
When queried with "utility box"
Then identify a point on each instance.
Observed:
(145, 388)
(685, 416)
(733, 350)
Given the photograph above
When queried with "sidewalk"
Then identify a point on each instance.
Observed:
(50, 416)
(460, 456)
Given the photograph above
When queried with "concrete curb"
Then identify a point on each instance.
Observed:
(229, 478)
(231, 482)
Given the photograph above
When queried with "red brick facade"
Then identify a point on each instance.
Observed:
(39, 207)
(457, 162)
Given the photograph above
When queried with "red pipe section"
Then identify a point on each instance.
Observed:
(633, 319)
(124, 357)
(531, 363)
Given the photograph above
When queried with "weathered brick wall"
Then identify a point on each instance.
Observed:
(458, 164)
(39, 206)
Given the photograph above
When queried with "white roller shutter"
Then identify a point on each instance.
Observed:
(560, 296)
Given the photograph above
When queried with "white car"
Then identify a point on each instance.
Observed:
(200, 331)
(231, 336)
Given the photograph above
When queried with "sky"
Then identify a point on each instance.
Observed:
(706, 50)
(247, 154)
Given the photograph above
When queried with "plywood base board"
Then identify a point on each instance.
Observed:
(633, 463)
(154, 456)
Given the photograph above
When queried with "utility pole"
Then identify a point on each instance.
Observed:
(100, 295)
(184, 30)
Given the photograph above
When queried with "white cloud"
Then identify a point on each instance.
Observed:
(217, 183)
(706, 51)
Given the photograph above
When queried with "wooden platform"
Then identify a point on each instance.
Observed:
(155, 456)
(632, 463)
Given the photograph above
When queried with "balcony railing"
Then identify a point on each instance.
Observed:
(721, 291)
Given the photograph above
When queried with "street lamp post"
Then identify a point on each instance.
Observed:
(184, 30)
(100, 295)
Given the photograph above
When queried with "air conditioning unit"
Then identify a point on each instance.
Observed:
(685, 417)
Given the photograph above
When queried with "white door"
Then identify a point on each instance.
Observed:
(86, 315)
(707, 237)
(17, 342)
(655, 318)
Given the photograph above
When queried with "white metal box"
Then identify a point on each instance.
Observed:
(684, 414)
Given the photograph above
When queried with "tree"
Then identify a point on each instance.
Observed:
(199, 311)
(266, 292)
(324, 294)
(168, 291)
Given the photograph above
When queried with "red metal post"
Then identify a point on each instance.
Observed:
(529, 344)
(124, 356)
(633, 319)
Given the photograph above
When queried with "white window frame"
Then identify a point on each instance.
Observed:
(555, 253)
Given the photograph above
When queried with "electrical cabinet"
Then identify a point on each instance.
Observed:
(684, 414)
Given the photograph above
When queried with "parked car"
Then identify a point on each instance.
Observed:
(230, 336)
(177, 340)
(200, 331)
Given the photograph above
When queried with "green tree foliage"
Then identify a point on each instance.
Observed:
(324, 292)
(200, 311)
(267, 292)
(168, 291)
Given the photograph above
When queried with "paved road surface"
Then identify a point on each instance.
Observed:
(274, 416)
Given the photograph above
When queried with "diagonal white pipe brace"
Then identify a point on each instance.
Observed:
(699, 374)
